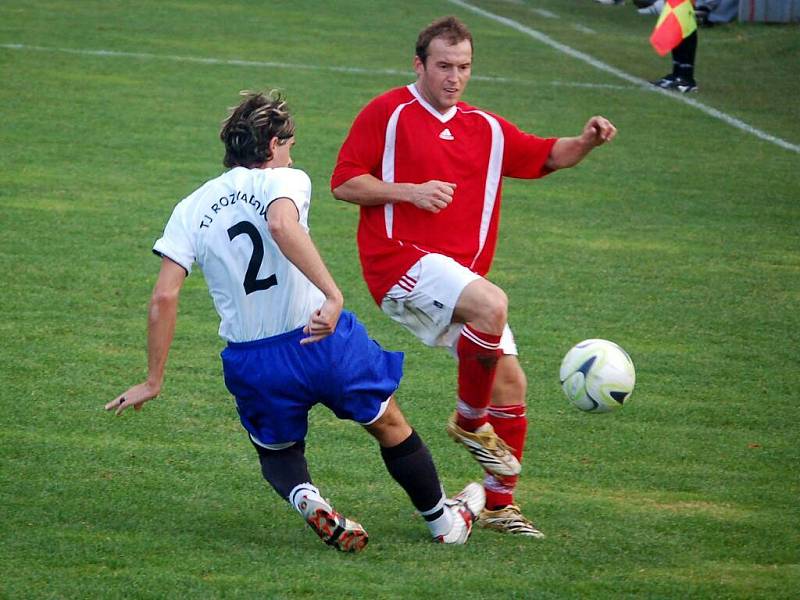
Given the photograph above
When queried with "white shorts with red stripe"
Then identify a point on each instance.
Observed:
(424, 299)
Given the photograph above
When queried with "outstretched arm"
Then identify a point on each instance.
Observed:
(366, 190)
(162, 315)
(568, 152)
(297, 246)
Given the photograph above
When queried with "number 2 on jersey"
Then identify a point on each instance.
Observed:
(251, 283)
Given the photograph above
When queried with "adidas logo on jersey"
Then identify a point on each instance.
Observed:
(446, 135)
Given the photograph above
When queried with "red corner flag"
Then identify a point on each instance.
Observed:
(676, 23)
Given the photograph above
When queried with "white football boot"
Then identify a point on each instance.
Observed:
(333, 528)
(464, 508)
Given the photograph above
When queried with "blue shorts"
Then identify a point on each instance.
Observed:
(277, 380)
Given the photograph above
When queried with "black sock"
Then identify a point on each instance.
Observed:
(683, 57)
(284, 469)
(411, 465)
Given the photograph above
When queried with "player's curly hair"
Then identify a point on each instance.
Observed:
(251, 125)
(451, 29)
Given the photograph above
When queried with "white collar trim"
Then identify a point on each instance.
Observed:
(444, 118)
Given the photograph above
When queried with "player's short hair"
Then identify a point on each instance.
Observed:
(451, 29)
(251, 125)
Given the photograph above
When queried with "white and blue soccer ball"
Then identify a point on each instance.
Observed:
(597, 375)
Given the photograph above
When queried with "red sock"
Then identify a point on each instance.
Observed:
(511, 425)
(477, 362)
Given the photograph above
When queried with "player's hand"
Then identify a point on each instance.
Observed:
(598, 131)
(433, 195)
(135, 397)
(323, 321)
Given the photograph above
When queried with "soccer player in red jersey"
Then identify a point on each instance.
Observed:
(426, 170)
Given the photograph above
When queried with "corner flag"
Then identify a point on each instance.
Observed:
(676, 23)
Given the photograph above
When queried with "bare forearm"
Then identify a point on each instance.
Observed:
(367, 190)
(296, 245)
(162, 316)
(567, 152)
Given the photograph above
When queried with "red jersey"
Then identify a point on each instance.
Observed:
(399, 137)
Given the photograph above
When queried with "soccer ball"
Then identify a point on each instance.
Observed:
(597, 375)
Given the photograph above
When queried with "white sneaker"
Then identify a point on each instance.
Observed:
(333, 528)
(610, 2)
(465, 508)
(493, 454)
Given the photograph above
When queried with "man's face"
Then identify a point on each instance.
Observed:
(281, 153)
(443, 77)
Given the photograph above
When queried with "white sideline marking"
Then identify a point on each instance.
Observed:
(206, 61)
(545, 13)
(583, 28)
(279, 65)
(601, 86)
(582, 56)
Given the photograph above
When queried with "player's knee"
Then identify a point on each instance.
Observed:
(484, 305)
(494, 309)
(387, 423)
(391, 428)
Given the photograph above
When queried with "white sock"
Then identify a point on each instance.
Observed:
(305, 491)
(441, 519)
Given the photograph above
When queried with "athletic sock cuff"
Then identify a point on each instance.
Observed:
(489, 341)
(434, 513)
(506, 412)
(408, 446)
(301, 487)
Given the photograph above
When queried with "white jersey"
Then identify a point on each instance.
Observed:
(222, 227)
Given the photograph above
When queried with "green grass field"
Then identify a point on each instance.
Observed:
(680, 241)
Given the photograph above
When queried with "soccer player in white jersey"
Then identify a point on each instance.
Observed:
(427, 171)
(290, 343)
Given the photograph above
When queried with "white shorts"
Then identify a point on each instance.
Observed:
(424, 299)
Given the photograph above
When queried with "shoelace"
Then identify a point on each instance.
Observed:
(493, 441)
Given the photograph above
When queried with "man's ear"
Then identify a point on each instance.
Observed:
(419, 66)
